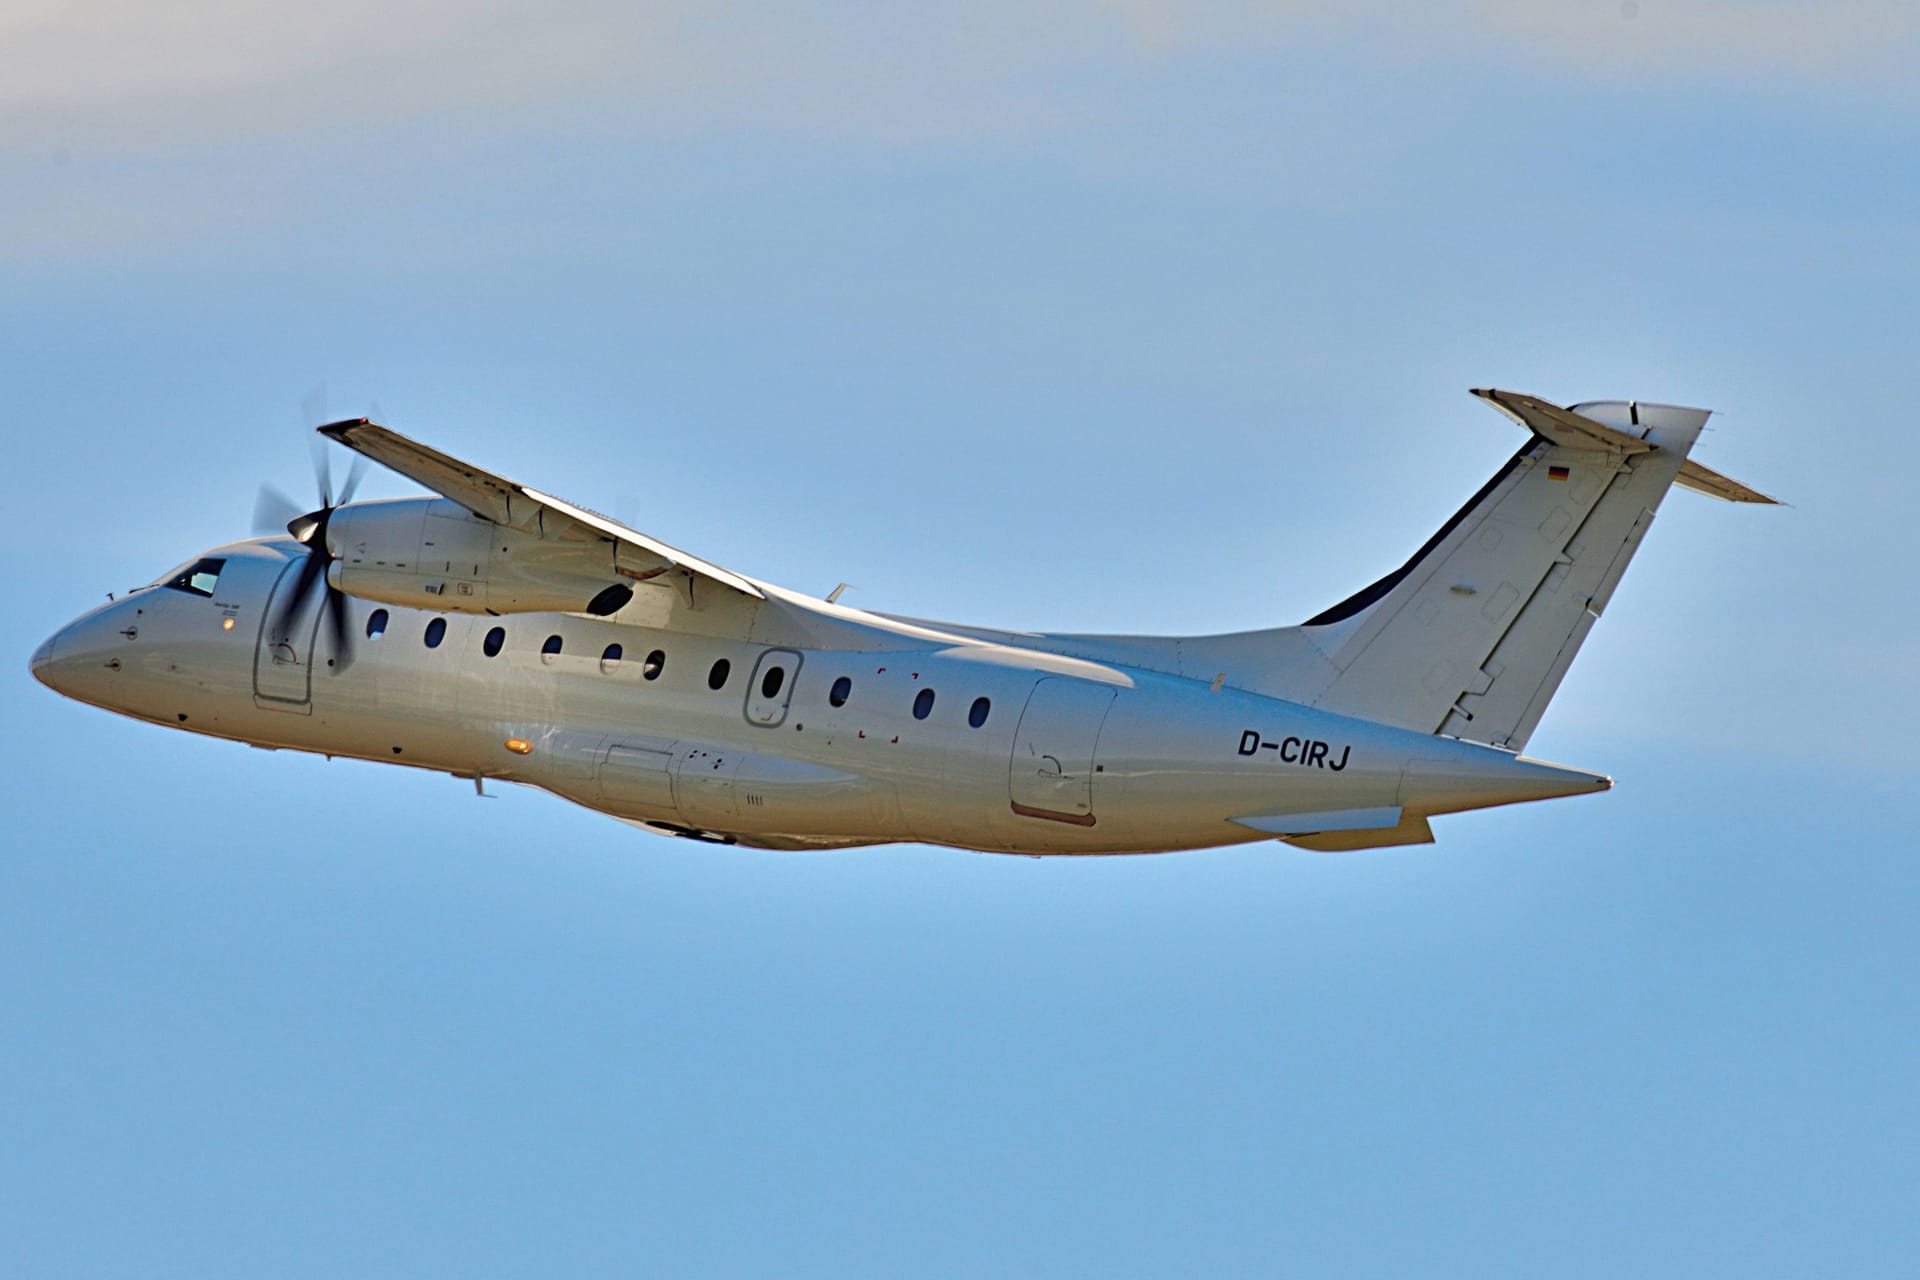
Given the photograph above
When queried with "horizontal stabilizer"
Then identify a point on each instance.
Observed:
(1584, 427)
(1702, 480)
(1562, 426)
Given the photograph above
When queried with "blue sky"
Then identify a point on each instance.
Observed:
(1092, 316)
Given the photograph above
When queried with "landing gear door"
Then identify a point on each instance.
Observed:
(283, 655)
(1051, 772)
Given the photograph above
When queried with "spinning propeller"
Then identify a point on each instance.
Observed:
(273, 510)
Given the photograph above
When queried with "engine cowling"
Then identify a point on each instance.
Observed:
(430, 553)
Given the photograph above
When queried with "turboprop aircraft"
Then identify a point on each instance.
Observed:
(494, 631)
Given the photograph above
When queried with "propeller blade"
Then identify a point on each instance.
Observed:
(313, 405)
(310, 528)
(336, 607)
(312, 568)
(355, 473)
(357, 469)
(313, 408)
(273, 511)
(322, 469)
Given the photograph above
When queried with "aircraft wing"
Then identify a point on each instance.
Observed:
(504, 502)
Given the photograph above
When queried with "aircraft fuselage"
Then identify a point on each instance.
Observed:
(790, 724)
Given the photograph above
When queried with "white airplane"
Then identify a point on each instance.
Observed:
(496, 631)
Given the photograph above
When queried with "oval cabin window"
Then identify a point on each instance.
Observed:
(656, 663)
(376, 624)
(923, 704)
(977, 713)
(610, 658)
(771, 682)
(841, 691)
(436, 632)
(495, 638)
(717, 677)
(551, 649)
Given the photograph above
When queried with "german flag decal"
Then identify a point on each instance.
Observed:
(1557, 473)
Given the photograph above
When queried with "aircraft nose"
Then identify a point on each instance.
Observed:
(42, 661)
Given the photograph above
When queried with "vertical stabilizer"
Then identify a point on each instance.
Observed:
(1473, 635)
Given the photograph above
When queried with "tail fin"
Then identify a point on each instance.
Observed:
(1473, 635)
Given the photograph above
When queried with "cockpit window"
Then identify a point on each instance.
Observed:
(197, 579)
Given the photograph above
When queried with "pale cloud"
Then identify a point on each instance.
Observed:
(1164, 27)
(141, 71)
(1841, 43)
(138, 71)
(1844, 43)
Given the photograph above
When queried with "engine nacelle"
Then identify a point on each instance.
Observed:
(430, 553)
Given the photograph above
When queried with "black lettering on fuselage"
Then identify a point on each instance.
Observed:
(1316, 753)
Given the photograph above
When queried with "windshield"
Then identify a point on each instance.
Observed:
(197, 579)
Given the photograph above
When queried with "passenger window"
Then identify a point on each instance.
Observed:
(923, 705)
(717, 678)
(771, 682)
(842, 689)
(376, 624)
(550, 650)
(656, 663)
(197, 579)
(610, 658)
(436, 632)
(977, 713)
(495, 638)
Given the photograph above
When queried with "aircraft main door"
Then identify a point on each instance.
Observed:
(1051, 772)
(283, 655)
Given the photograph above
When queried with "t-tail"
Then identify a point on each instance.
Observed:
(1473, 634)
